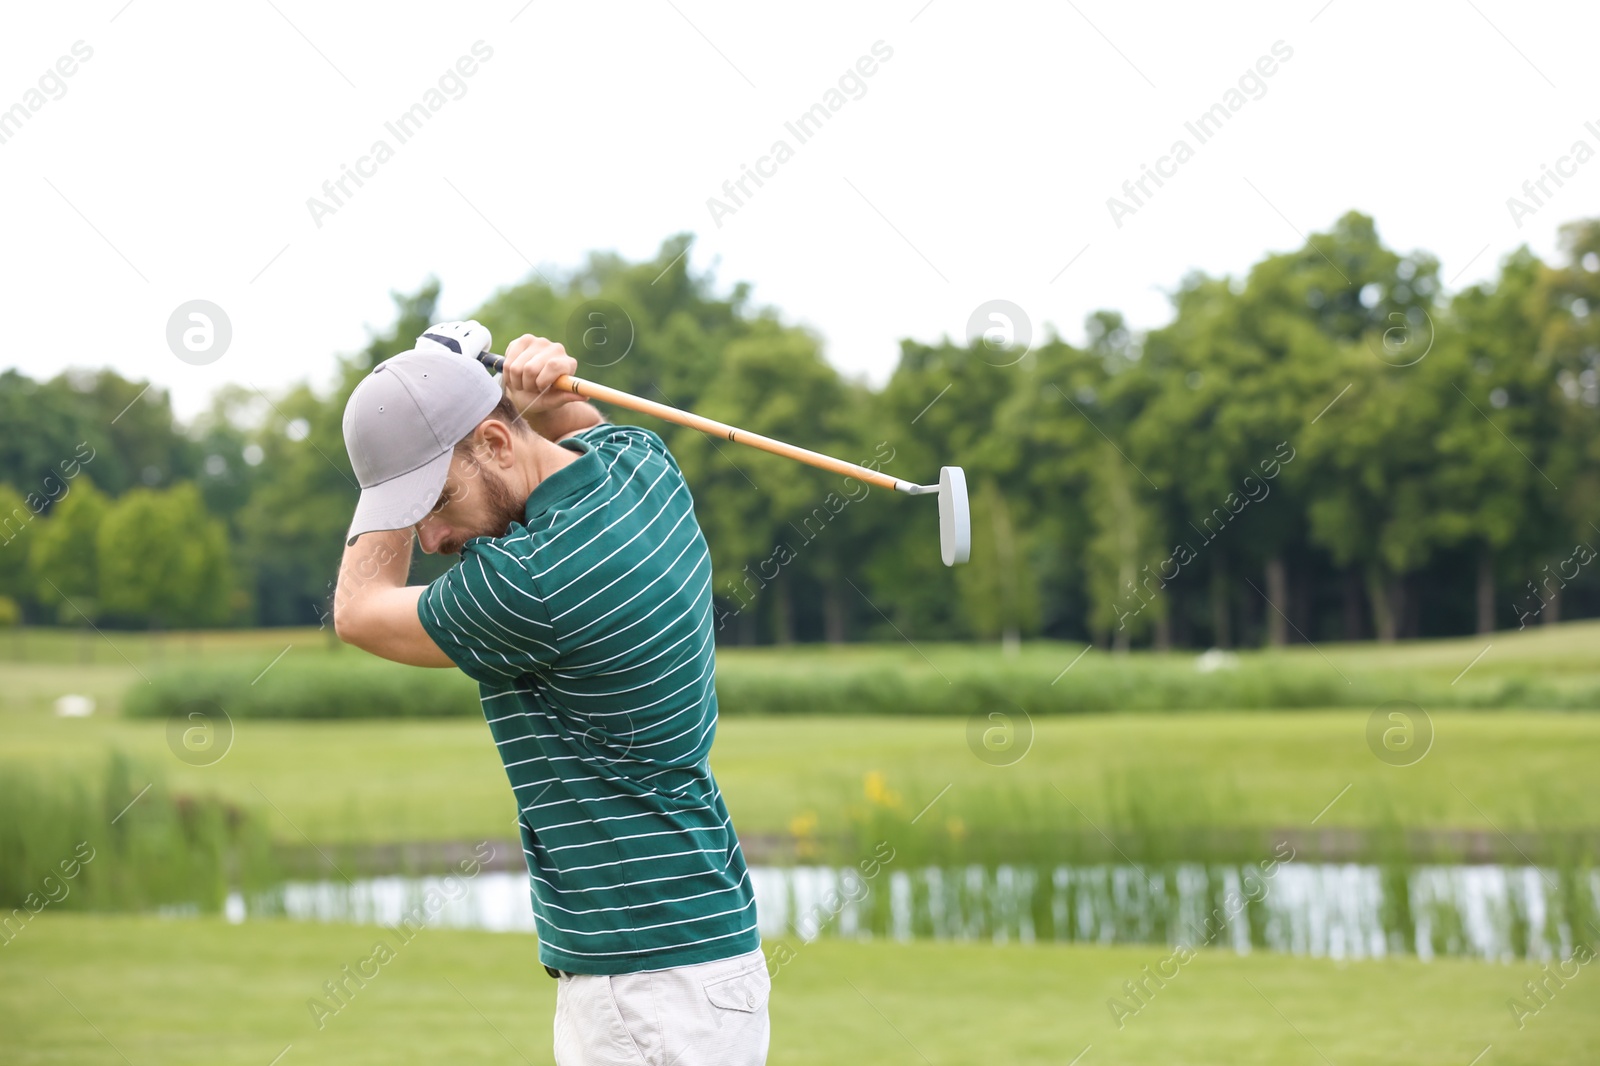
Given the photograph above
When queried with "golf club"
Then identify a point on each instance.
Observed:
(955, 526)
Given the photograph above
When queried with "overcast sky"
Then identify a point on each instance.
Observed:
(974, 162)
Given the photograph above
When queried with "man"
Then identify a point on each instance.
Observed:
(582, 607)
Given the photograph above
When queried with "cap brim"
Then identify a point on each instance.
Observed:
(402, 501)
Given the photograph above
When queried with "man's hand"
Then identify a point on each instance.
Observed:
(532, 366)
(467, 338)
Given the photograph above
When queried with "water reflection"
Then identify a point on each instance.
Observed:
(1335, 910)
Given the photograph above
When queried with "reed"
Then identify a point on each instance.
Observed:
(121, 842)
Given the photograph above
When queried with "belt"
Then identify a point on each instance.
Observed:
(558, 974)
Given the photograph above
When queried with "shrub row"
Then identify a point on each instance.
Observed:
(348, 686)
(326, 686)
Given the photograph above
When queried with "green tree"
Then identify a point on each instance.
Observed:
(123, 430)
(1560, 391)
(223, 437)
(17, 521)
(1122, 554)
(64, 556)
(1497, 328)
(1245, 369)
(299, 510)
(40, 425)
(763, 514)
(1041, 448)
(938, 409)
(163, 560)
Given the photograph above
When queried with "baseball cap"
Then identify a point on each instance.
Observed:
(400, 427)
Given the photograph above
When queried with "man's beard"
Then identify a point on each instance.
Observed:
(504, 509)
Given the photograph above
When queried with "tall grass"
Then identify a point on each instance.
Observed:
(123, 842)
(1144, 817)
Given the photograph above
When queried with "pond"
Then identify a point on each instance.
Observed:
(1333, 910)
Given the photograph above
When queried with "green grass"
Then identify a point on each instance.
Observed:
(202, 992)
(431, 779)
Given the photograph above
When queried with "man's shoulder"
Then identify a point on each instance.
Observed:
(487, 612)
(484, 563)
(614, 442)
(610, 433)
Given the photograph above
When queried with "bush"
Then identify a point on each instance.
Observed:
(340, 686)
(866, 681)
(958, 688)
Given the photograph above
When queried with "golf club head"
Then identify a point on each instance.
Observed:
(955, 522)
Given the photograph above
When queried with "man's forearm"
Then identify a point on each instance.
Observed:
(566, 419)
(377, 561)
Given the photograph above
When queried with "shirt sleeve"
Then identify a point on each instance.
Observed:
(486, 614)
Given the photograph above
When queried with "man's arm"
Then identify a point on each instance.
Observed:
(565, 420)
(374, 608)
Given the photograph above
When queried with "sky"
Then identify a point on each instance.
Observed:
(970, 153)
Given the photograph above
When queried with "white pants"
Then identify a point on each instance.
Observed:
(708, 1014)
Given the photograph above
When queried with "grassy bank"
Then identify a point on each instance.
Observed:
(203, 992)
(434, 780)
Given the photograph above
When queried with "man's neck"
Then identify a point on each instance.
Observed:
(541, 459)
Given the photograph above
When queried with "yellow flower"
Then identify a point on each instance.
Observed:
(879, 793)
(803, 828)
(956, 827)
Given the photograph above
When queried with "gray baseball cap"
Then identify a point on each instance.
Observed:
(400, 428)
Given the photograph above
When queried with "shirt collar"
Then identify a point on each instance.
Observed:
(569, 481)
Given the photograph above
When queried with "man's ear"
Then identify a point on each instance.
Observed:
(497, 440)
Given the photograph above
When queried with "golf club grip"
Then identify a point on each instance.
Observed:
(591, 391)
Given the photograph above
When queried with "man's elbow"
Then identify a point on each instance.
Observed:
(347, 626)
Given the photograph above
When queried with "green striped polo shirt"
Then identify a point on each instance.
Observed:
(588, 628)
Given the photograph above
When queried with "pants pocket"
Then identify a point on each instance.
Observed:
(745, 992)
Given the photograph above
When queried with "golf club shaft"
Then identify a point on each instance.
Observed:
(591, 391)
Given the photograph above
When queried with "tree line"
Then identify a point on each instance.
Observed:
(1329, 447)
